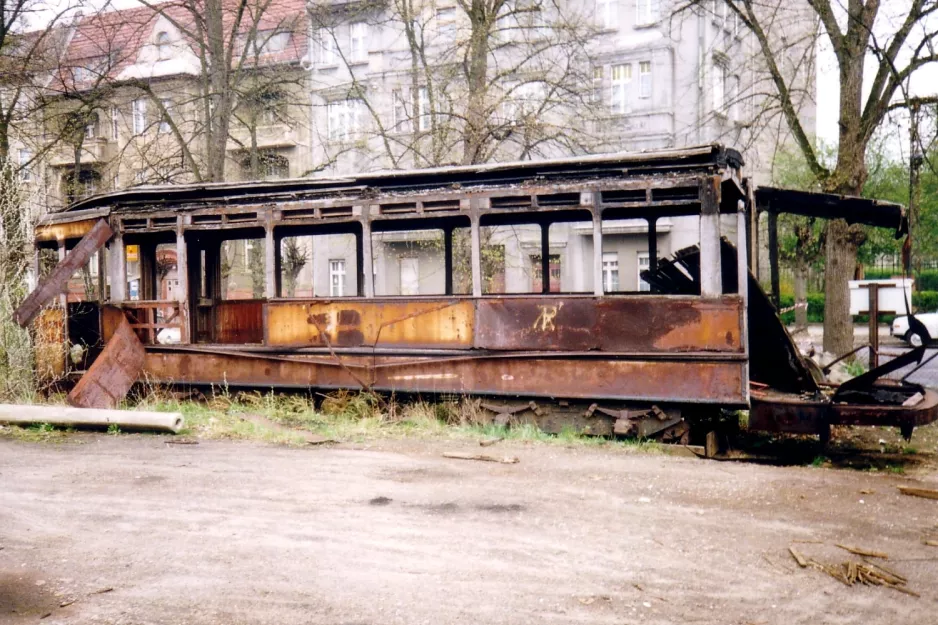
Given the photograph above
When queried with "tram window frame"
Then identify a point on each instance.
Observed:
(355, 263)
(456, 248)
(529, 248)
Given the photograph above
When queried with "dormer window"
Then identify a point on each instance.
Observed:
(162, 45)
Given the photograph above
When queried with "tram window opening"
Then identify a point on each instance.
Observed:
(243, 269)
(432, 260)
(409, 262)
(319, 265)
(628, 243)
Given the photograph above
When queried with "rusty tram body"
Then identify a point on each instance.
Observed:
(705, 337)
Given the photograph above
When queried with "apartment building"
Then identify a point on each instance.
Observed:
(335, 87)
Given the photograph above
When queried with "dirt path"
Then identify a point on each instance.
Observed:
(228, 533)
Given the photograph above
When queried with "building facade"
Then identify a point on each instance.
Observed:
(329, 88)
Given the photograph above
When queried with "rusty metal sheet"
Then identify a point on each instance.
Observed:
(719, 382)
(50, 344)
(239, 321)
(113, 372)
(349, 323)
(56, 282)
(63, 231)
(634, 324)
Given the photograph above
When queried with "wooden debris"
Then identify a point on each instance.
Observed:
(181, 441)
(65, 604)
(488, 442)
(800, 559)
(913, 491)
(101, 591)
(850, 573)
(808, 541)
(867, 491)
(863, 552)
(930, 543)
(482, 457)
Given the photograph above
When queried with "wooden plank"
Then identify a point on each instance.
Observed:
(927, 493)
(113, 372)
(57, 282)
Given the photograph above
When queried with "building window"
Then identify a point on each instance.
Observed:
(719, 88)
(446, 24)
(555, 271)
(358, 41)
(610, 272)
(344, 120)
(164, 121)
(327, 47)
(423, 104)
(606, 13)
(337, 277)
(25, 158)
(410, 276)
(91, 128)
(140, 116)
(506, 24)
(646, 11)
(733, 104)
(115, 117)
(162, 45)
(644, 79)
(598, 77)
(643, 264)
(621, 77)
(80, 185)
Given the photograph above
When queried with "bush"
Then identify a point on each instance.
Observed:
(926, 280)
(815, 308)
(922, 302)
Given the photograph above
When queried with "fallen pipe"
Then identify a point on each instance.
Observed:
(66, 416)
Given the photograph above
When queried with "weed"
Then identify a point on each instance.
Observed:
(113, 429)
(898, 470)
(820, 461)
(909, 451)
(854, 368)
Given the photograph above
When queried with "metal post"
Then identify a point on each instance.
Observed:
(711, 274)
(476, 253)
(118, 268)
(653, 244)
(270, 266)
(598, 286)
(742, 286)
(773, 258)
(367, 258)
(182, 267)
(545, 257)
(874, 324)
(448, 259)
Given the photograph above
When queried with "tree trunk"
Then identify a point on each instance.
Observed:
(801, 295)
(477, 66)
(840, 262)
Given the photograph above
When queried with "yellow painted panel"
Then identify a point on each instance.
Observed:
(61, 232)
(435, 323)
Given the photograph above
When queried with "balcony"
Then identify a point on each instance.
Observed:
(273, 136)
(93, 151)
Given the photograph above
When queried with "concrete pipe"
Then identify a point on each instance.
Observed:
(66, 416)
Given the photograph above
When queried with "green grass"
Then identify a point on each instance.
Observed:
(820, 461)
(358, 417)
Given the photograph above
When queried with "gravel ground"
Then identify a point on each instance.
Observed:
(230, 533)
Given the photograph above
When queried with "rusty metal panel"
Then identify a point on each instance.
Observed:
(50, 344)
(56, 282)
(634, 324)
(239, 321)
(63, 231)
(351, 323)
(113, 372)
(720, 382)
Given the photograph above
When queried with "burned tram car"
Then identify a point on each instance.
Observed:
(695, 334)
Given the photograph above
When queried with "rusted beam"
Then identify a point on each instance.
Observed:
(57, 281)
(113, 372)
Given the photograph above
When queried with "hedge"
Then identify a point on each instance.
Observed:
(926, 280)
(922, 302)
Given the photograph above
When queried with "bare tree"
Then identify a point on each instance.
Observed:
(482, 80)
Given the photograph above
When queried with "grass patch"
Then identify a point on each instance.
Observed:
(356, 417)
(36, 433)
